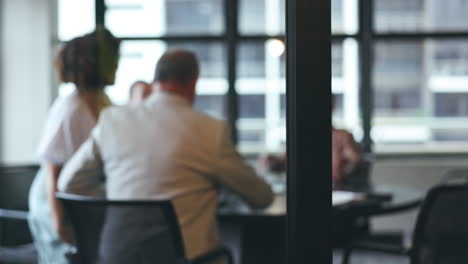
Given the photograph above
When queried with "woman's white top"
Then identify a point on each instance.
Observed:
(68, 125)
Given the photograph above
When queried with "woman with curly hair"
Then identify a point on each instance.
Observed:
(90, 63)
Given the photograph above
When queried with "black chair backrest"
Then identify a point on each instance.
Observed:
(441, 231)
(117, 232)
(15, 182)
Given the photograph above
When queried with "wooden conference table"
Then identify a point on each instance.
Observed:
(258, 236)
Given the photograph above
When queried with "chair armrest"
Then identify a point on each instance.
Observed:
(13, 214)
(379, 247)
(212, 255)
(394, 210)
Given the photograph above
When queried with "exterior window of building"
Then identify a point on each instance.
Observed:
(261, 75)
(451, 105)
(283, 105)
(252, 137)
(144, 18)
(261, 17)
(70, 11)
(252, 106)
(150, 27)
(450, 58)
(337, 20)
(211, 104)
(344, 16)
(345, 66)
(337, 60)
(251, 62)
(260, 83)
(194, 16)
(420, 15)
(416, 72)
(345, 86)
(283, 66)
(398, 79)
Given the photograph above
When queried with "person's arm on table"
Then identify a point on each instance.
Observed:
(233, 173)
(84, 171)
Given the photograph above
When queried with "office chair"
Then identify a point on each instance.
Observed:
(343, 227)
(139, 232)
(15, 238)
(441, 234)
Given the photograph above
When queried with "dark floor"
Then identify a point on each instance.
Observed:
(365, 257)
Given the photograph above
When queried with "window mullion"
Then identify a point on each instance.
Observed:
(100, 10)
(231, 19)
(366, 90)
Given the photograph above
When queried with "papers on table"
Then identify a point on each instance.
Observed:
(343, 197)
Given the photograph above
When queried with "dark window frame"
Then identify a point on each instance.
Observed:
(366, 37)
(1, 78)
(231, 38)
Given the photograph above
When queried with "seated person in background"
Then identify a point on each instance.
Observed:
(345, 155)
(139, 91)
(164, 149)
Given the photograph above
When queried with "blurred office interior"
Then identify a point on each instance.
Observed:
(399, 77)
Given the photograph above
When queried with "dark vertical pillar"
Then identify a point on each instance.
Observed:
(231, 15)
(1, 80)
(100, 9)
(366, 60)
(308, 96)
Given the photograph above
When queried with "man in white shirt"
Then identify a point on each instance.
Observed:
(164, 149)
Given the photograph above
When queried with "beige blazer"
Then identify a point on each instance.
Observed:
(164, 149)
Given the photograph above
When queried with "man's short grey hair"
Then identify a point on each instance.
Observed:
(177, 65)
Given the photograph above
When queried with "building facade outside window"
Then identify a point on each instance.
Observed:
(418, 72)
(149, 27)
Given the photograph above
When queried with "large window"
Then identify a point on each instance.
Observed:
(240, 45)
(411, 90)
